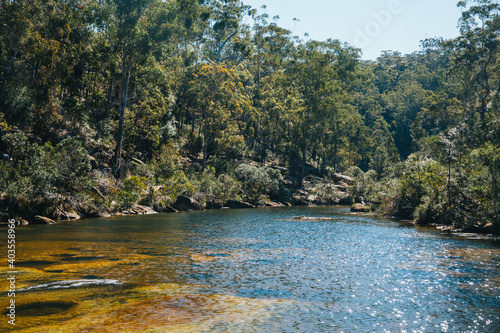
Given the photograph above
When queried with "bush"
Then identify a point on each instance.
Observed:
(259, 182)
(131, 192)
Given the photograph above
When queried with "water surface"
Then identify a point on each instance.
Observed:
(252, 271)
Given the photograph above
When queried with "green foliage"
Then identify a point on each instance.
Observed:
(189, 85)
(259, 182)
(44, 174)
(131, 192)
(166, 162)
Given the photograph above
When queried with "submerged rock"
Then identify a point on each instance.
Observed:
(238, 204)
(73, 284)
(44, 308)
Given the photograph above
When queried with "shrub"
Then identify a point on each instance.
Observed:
(131, 192)
(259, 182)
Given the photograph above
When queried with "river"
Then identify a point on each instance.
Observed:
(256, 270)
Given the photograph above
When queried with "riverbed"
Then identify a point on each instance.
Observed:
(255, 270)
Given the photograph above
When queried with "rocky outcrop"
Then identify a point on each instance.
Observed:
(360, 208)
(139, 210)
(211, 202)
(234, 204)
(187, 203)
(162, 208)
(37, 219)
(61, 214)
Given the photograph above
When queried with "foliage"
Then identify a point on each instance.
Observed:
(168, 97)
(257, 182)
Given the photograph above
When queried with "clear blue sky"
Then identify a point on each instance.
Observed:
(372, 25)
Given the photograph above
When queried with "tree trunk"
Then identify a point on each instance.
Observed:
(126, 66)
(108, 101)
(205, 149)
(303, 168)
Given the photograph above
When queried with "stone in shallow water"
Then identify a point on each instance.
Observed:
(73, 284)
(37, 309)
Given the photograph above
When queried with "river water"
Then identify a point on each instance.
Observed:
(255, 270)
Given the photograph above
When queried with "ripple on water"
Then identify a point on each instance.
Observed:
(260, 271)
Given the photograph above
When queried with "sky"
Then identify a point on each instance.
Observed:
(371, 25)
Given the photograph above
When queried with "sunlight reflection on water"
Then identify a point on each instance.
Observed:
(259, 271)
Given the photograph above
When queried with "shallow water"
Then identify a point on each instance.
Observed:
(253, 270)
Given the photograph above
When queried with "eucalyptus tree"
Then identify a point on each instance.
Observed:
(138, 31)
(218, 100)
(274, 98)
(226, 33)
(323, 73)
(476, 55)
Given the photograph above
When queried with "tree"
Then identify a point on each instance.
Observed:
(226, 34)
(476, 57)
(142, 28)
(322, 73)
(219, 100)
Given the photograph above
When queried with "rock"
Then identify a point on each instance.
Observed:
(274, 204)
(104, 187)
(233, 204)
(162, 208)
(139, 210)
(4, 216)
(341, 178)
(360, 208)
(211, 202)
(186, 203)
(97, 214)
(300, 201)
(63, 215)
(22, 222)
(302, 217)
(37, 219)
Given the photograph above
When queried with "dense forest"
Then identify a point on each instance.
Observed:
(105, 104)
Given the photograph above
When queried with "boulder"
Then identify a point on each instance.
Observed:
(37, 219)
(274, 204)
(162, 208)
(104, 187)
(139, 210)
(238, 204)
(360, 208)
(64, 215)
(187, 203)
(22, 222)
(211, 202)
(342, 178)
(97, 214)
(4, 216)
